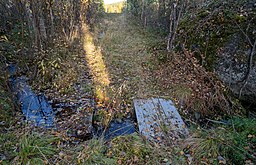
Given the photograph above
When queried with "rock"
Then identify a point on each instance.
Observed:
(231, 69)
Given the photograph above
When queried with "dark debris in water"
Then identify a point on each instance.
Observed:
(35, 108)
(70, 115)
(74, 122)
(117, 128)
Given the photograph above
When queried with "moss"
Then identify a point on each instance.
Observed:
(212, 26)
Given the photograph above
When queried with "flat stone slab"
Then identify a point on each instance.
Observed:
(158, 119)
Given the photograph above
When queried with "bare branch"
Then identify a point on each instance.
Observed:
(246, 77)
(247, 37)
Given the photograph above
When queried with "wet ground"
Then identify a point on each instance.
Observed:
(72, 116)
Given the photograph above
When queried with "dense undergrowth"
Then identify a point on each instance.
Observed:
(196, 89)
(202, 33)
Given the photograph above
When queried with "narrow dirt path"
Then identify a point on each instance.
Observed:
(123, 49)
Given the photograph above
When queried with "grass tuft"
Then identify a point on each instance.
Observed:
(94, 153)
(35, 148)
(234, 142)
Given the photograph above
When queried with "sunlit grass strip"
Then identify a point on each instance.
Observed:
(124, 50)
(114, 7)
(96, 64)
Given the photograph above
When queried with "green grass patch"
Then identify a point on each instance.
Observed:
(234, 142)
(6, 104)
(35, 148)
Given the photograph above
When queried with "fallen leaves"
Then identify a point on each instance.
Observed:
(195, 88)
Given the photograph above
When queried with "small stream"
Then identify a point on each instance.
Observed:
(40, 112)
(35, 108)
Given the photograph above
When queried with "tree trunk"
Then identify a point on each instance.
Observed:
(178, 7)
(143, 13)
(52, 19)
(35, 21)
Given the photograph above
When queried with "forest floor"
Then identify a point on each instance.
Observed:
(132, 63)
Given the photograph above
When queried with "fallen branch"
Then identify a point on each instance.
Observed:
(217, 122)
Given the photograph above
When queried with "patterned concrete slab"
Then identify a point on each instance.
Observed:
(158, 119)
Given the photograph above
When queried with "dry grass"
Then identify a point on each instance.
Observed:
(196, 89)
(124, 52)
(230, 143)
(96, 64)
(130, 149)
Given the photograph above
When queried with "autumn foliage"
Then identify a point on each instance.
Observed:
(196, 89)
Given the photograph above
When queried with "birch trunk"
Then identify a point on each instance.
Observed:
(175, 16)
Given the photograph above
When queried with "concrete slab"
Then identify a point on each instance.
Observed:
(159, 119)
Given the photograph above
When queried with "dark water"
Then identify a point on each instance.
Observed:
(125, 127)
(36, 108)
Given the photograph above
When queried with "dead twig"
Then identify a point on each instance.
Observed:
(217, 122)
(249, 61)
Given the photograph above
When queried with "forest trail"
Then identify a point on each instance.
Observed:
(116, 56)
(107, 78)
